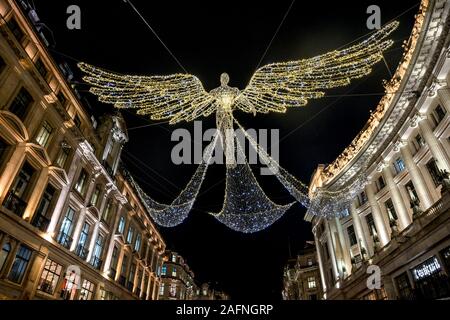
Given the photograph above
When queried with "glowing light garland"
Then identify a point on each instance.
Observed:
(274, 87)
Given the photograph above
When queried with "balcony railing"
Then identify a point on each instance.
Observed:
(41, 222)
(15, 204)
(65, 240)
(96, 262)
(82, 252)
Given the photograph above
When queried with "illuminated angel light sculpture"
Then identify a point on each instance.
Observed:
(273, 88)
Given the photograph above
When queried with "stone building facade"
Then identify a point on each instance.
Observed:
(397, 224)
(301, 278)
(177, 280)
(71, 225)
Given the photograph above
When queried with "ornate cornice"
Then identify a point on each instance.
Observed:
(376, 117)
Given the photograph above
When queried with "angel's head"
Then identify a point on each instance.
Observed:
(224, 79)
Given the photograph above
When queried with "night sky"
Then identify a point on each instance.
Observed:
(209, 38)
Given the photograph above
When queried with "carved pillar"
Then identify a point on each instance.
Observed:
(32, 280)
(346, 259)
(433, 143)
(11, 169)
(416, 177)
(320, 260)
(64, 194)
(110, 246)
(397, 200)
(93, 240)
(378, 218)
(331, 250)
(359, 230)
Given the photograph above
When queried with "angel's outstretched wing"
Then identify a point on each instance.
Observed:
(175, 97)
(279, 85)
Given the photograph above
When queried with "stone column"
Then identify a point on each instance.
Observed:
(378, 218)
(433, 143)
(110, 246)
(320, 261)
(36, 194)
(93, 240)
(11, 169)
(64, 194)
(399, 205)
(347, 261)
(331, 250)
(416, 177)
(444, 98)
(359, 231)
(77, 230)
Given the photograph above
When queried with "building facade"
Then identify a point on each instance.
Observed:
(301, 278)
(71, 224)
(393, 239)
(177, 280)
(208, 292)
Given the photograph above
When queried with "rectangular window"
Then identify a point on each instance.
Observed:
(161, 289)
(412, 194)
(174, 271)
(403, 286)
(392, 214)
(352, 235)
(82, 247)
(81, 184)
(173, 290)
(131, 275)
(15, 200)
(96, 261)
(164, 270)
(434, 172)
(16, 29)
(65, 232)
(399, 166)
(121, 226)
(114, 261)
(62, 98)
(20, 264)
(44, 134)
(21, 104)
(95, 196)
(371, 224)
(311, 283)
(50, 277)
(418, 142)
(362, 198)
(438, 114)
(41, 68)
(107, 212)
(130, 234)
(77, 121)
(137, 244)
(123, 270)
(41, 218)
(63, 154)
(380, 183)
(87, 290)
